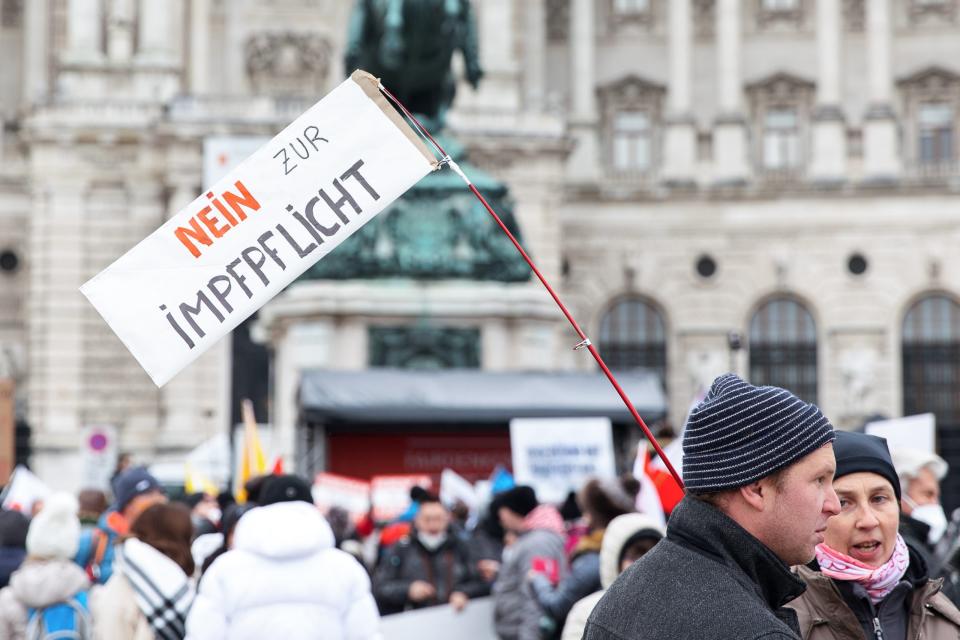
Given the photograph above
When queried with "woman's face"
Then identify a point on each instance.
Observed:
(866, 528)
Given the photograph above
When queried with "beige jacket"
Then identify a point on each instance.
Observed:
(824, 615)
(116, 615)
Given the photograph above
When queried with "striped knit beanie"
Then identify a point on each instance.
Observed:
(740, 433)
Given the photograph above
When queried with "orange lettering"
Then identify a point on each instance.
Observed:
(236, 201)
(183, 235)
(211, 223)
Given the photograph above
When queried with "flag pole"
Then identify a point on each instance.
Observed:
(585, 342)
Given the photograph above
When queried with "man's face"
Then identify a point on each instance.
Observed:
(795, 516)
(432, 518)
(924, 489)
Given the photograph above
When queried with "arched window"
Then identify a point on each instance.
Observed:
(632, 335)
(783, 347)
(931, 376)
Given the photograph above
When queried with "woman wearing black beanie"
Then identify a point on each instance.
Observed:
(866, 582)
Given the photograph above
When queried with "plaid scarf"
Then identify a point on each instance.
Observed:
(162, 590)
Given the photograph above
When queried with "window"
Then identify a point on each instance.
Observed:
(931, 376)
(632, 335)
(783, 348)
(935, 129)
(631, 141)
(630, 7)
(781, 139)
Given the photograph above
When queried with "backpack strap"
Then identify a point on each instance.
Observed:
(98, 543)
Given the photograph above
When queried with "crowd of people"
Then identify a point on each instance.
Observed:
(789, 529)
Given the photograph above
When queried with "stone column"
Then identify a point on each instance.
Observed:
(534, 53)
(35, 68)
(680, 143)
(583, 122)
(829, 161)
(84, 31)
(199, 47)
(881, 158)
(730, 134)
(120, 27)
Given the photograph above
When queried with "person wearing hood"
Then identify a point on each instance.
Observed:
(48, 576)
(283, 577)
(600, 502)
(922, 519)
(135, 490)
(150, 591)
(537, 547)
(431, 566)
(866, 580)
(626, 540)
(13, 543)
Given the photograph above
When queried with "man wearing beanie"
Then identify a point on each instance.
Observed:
(135, 490)
(537, 531)
(758, 464)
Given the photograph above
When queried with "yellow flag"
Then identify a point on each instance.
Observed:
(252, 460)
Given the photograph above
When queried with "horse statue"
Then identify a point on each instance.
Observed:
(409, 45)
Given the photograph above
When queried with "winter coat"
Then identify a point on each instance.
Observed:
(837, 609)
(584, 579)
(615, 538)
(37, 583)
(708, 579)
(116, 615)
(284, 579)
(113, 525)
(448, 568)
(517, 614)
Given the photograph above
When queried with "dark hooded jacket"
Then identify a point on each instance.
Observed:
(836, 609)
(708, 579)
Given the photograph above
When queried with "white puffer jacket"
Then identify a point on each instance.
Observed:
(284, 579)
(618, 533)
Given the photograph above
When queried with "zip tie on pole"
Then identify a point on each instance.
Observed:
(584, 343)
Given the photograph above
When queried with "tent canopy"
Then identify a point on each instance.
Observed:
(466, 395)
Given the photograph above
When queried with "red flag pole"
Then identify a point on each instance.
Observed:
(584, 340)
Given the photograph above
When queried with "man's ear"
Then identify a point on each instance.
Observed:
(755, 494)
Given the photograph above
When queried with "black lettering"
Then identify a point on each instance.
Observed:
(302, 144)
(301, 252)
(286, 161)
(258, 266)
(262, 241)
(354, 172)
(189, 312)
(316, 136)
(327, 231)
(239, 278)
(345, 198)
(221, 295)
(180, 332)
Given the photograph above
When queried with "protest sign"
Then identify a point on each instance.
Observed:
(390, 495)
(190, 282)
(441, 622)
(98, 453)
(23, 490)
(558, 455)
(333, 490)
(911, 432)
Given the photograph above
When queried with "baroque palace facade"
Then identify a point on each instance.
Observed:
(768, 186)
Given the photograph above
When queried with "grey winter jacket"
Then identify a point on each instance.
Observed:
(707, 580)
(516, 613)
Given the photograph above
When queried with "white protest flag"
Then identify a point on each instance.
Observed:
(228, 252)
(23, 490)
(648, 499)
(454, 487)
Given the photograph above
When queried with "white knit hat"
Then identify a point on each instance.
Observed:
(55, 531)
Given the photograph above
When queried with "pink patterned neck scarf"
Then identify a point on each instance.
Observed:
(878, 581)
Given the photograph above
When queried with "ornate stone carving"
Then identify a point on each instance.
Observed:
(932, 11)
(631, 93)
(770, 15)
(288, 63)
(858, 366)
(644, 17)
(424, 347)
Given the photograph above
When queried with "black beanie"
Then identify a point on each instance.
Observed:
(286, 488)
(521, 500)
(740, 433)
(856, 452)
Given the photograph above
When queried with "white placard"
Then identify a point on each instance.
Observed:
(441, 622)
(911, 432)
(23, 490)
(228, 252)
(390, 495)
(332, 490)
(558, 455)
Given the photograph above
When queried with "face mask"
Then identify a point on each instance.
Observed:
(432, 541)
(214, 515)
(933, 515)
